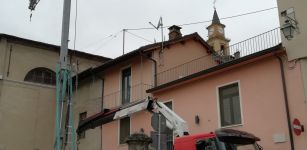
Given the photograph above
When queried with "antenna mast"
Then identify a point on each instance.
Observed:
(160, 25)
(214, 2)
(32, 5)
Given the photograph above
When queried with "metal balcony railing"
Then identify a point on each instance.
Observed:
(247, 47)
(137, 92)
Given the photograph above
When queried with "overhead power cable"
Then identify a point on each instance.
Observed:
(101, 40)
(200, 22)
(140, 37)
(107, 41)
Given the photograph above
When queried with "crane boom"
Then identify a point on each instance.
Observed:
(173, 121)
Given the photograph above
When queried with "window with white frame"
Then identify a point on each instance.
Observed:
(229, 104)
(126, 86)
(124, 129)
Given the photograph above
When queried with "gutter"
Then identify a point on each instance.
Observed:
(155, 70)
(282, 73)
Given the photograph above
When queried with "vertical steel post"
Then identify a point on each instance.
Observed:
(65, 34)
(64, 132)
(124, 30)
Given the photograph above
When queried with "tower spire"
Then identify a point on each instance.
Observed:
(216, 35)
(215, 19)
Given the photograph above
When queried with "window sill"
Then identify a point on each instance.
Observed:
(231, 126)
(122, 145)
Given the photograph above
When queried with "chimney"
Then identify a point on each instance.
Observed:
(174, 32)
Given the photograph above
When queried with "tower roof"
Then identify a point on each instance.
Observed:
(216, 19)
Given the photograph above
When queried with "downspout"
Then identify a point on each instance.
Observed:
(282, 72)
(155, 69)
(102, 93)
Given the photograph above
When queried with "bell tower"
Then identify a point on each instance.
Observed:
(216, 35)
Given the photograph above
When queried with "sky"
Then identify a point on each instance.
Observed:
(100, 22)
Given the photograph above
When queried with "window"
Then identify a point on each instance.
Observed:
(41, 75)
(82, 116)
(229, 101)
(126, 85)
(124, 129)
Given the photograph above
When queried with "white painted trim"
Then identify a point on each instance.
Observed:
(218, 104)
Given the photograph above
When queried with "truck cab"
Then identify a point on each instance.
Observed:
(221, 139)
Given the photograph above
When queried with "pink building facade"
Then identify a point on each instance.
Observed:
(257, 91)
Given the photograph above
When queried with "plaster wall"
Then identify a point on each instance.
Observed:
(88, 98)
(177, 54)
(261, 95)
(26, 116)
(141, 79)
(27, 109)
(296, 47)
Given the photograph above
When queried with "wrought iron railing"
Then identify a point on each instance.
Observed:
(247, 47)
(137, 92)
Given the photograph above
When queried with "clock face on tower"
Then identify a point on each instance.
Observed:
(211, 31)
(221, 30)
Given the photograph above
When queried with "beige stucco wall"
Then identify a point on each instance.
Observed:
(27, 109)
(88, 99)
(303, 63)
(297, 47)
(26, 116)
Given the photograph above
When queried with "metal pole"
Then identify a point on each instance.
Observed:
(64, 89)
(124, 30)
(159, 133)
(162, 35)
(65, 34)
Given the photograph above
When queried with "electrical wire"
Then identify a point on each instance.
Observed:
(113, 36)
(106, 42)
(140, 37)
(200, 22)
(101, 40)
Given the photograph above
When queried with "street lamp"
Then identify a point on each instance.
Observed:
(288, 30)
(290, 25)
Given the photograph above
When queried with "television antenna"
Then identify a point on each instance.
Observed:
(32, 5)
(160, 25)
(214, 2)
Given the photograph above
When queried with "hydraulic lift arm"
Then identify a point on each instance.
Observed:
(173, 121)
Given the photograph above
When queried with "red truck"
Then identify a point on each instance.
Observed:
(222, 139)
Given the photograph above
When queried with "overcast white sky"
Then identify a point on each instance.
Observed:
(98, 19)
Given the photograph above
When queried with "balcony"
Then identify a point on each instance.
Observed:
(137, 92)
(239, 50)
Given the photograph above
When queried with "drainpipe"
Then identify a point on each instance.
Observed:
(155, 69)
(282, 72)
